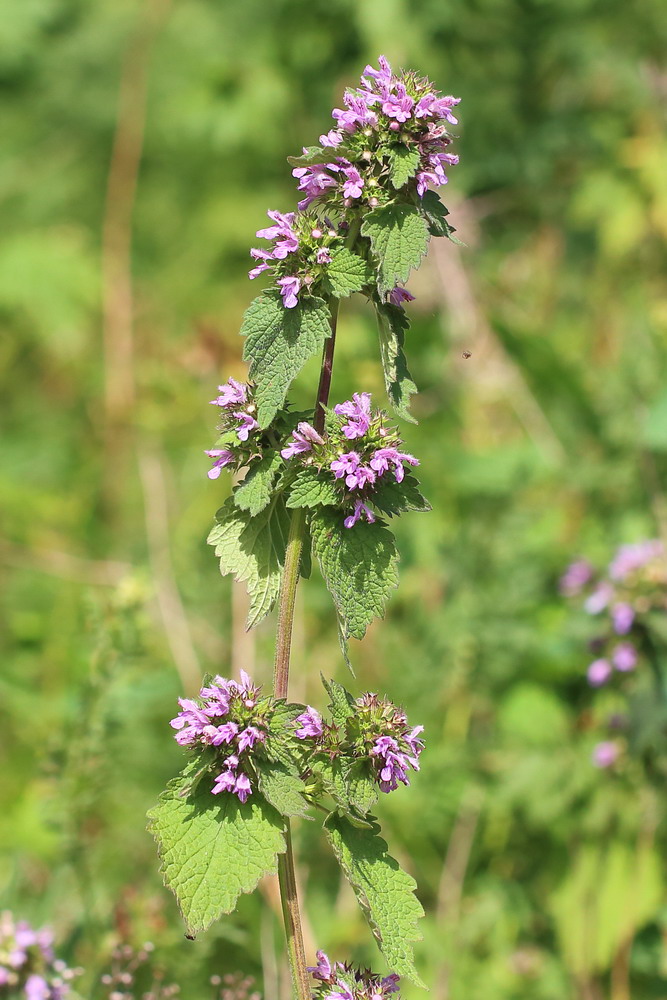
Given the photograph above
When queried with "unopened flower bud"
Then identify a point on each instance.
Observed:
(316, 233)
(373, 202)
(367, 155)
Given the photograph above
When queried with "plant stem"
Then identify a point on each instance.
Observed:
(286, 601)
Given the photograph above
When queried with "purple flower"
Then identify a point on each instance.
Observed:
(243, 787)
(358, 409)
(443, 108)
(303, 438)
(575, 577)
(345, 465)
(310, 723)
(246, 424)
(359, 509)
(383, 456)
(599, 599)
(399, 106)
(331, 138)
(624, 657)
(248, 738)
(398, 295)
(605, 754)
(623, 616)
(324, 255)
(362, 476)
(37, 988)
(225, 782)
(599, 672)
(314, 181)
(323, 969)
(354, 183)
(222, 456)
(289, 289)
(223, 734)
(232, 393)
(630, 558)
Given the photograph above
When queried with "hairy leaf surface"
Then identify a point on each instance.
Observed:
(403, 164)
(282, 788)
(392, 324)
(399, 239)
(359, 566)
(311, 489)
(278, 343)
(384, 891)
(213, 847)
(253, 549)
(256, 490)
(347, 273)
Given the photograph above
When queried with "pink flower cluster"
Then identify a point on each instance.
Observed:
(634, 584)
(200, 724)
(237, 413)
(28, 965)
(386, 107)
(341, 981)
(359, 469)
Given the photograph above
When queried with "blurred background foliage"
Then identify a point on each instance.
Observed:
(142, 144)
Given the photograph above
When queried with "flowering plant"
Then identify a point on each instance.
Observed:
(28, 965)
(629, 600)
(325, 482)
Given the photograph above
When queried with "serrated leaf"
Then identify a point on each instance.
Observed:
(399, 239)
(362, 786)
(312, 488)
(282, 788)
(384, 891)
(256, 490)
(213, 848)
(311, 156)
(436, 214)
(403, 164)
(332, 776)
(253, 549)
(392, 324)
(282, 743)
(341, 705)
(391, 497)
(347, 273)
(278, 343)
(359, 566)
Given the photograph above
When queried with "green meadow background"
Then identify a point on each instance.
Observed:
(142, 143)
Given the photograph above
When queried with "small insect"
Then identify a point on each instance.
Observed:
(466, 355)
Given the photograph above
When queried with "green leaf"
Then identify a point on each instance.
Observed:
(342, 702)
(394, 498)
(282, 745)
(362, 787)
(312, 488)
(403, 164)
(213, 848)
(278, 343)
(332, 776)
(359, 566)
(399, 239)
(435, 214)
(253, 549)
(256, 490)
(392, 324)
(384, 891)
(311, 156)
(282, 788)
(347, 273)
